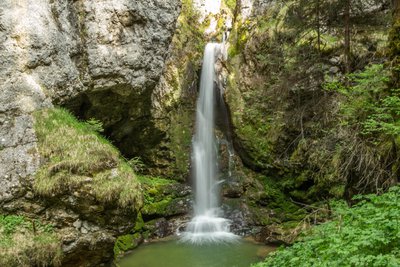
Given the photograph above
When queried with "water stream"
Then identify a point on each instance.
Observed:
(208, 225)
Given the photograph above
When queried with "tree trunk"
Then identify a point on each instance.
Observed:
(396, 9)
(318, 11)
(347, 40)
(394, 48)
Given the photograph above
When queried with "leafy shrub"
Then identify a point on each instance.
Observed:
(368, 101)
(367, 234)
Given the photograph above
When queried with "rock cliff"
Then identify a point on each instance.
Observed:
(101, 59)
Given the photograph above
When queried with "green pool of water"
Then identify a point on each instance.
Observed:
(176, 254)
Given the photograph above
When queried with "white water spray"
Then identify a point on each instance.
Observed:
(207, 225)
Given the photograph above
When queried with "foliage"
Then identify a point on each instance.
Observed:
(10, 223)
(77, 158)
(95, 125)
(25, 242)
(136, 164)
(367, 234)
(231, 4)
(289, 126)
(368, 102)
(369, 123)
(385, 119)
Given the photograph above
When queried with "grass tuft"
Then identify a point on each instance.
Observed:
(77, 158)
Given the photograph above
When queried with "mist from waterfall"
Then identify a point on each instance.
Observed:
(207, 224)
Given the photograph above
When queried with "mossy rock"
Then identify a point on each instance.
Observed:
(126, 243)
(164, 198)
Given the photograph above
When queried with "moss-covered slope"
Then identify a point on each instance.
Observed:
(287, 123)
(76, 158)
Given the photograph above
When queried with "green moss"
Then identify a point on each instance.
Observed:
(155, 202)
(231, 4)
(238, 38)
(180, 137)
(125, 243)
(139, 223)
(25, 242)
(154, 182)
(157, 208)
(78, 158)
(273, 197)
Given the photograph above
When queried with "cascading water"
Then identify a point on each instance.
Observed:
(207, 225)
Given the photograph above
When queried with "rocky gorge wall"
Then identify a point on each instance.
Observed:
(100, 59)
(292, 133)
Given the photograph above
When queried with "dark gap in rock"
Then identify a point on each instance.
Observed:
(126, 120)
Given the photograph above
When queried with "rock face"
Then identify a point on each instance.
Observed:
(100, 58)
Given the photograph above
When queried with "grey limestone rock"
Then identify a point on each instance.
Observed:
(98, 57)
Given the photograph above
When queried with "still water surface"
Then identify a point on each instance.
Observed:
(176, 254)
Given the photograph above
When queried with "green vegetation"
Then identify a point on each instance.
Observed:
(180, 138)
(157, 199)
(77, 158)
(368, 109)
(231, 4)
(125, 243)
(25, 242)
(296, 116)
(368, 234)
(368, 102)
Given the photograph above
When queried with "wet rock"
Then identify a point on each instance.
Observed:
(335, 60)
(275, 234)
(77, 224)
(232, 189)
(178, 190)
(158, 228)
(334, 70)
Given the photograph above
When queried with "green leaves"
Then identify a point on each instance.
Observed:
(385, 118)
(9, 224)
(367, 234)
(94, 125)
(369, 102)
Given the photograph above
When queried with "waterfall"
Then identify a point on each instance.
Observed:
(207, 225)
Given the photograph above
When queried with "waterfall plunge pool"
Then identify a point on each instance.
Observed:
(172, 253)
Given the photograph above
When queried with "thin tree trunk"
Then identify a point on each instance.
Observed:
(394, 40)
(347, 49)
(396, 9)
(319, 26)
